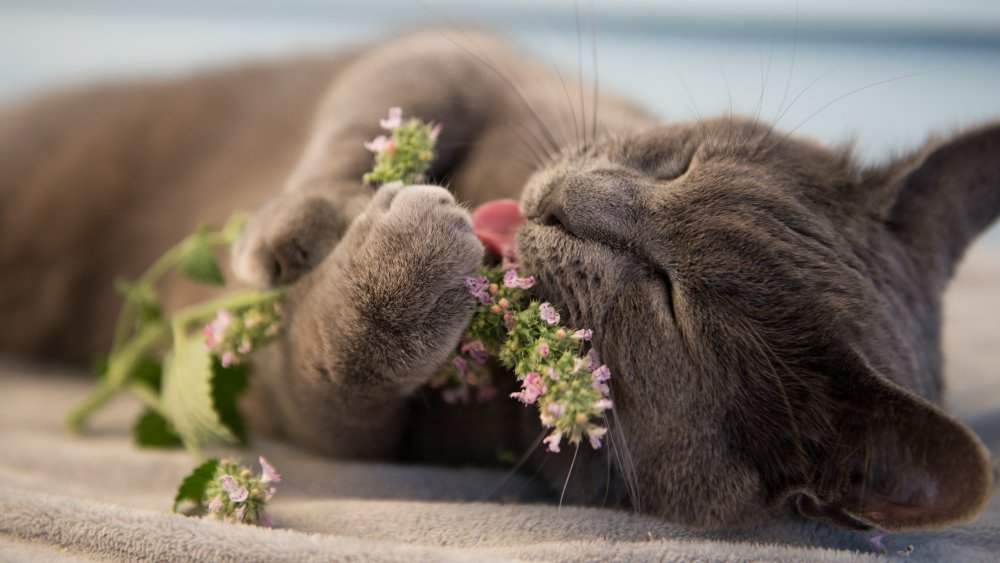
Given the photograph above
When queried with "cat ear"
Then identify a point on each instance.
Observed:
(900, 462)
(941, 197)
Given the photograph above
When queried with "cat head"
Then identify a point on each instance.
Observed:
(771, 313)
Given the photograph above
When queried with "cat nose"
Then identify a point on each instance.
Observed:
(596, 205)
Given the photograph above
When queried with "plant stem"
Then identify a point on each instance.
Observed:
(120, 370)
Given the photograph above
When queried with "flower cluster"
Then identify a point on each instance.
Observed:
(238, 497)
(232, 337)
(406, 153)
(570, 388)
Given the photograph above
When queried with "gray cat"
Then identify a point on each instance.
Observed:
(770, 310)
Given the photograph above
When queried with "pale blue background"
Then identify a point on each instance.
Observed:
(919, 66)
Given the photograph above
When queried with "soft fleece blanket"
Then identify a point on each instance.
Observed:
(97, 497)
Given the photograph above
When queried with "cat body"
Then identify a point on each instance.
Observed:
(769, 309)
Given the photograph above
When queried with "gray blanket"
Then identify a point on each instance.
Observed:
(98, 497)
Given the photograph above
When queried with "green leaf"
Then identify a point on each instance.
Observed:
(150, 372)
(194, 485)
(153, 431)
(143, 296)
(188, 397)
(198, 262)
(228, 383)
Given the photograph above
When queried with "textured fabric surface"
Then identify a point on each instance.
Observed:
(97, 497)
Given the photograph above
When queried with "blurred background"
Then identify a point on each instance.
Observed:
(883, 74)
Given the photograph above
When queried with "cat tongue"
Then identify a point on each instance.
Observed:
(495, 223)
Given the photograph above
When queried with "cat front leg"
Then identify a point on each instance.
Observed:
(375, 320)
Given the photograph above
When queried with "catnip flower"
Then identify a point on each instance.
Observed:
(405, 153)
(570, 391)
(548, 313)
(239, 497)
(394, 120)
(232, 337)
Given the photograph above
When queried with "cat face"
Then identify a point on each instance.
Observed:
(764, 305)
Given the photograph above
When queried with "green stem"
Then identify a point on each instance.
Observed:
(148, 396)
(120, 369)
(206, 310)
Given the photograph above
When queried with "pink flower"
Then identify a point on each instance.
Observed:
(531, 388)
(594, 435)
(215, 331)
(476, 350)
(216, 504)
(268, 474)
(556, 410)
(603, 404)
(245, 347)
(436, 131)
(240, 512)
(452, 396)
(378, 144)
(553, 441)
(394, 120)
(543, 349)
(584, 334)
(592, 359)
(508, 321)
(552, 373)
(548, 313)
(228, 359)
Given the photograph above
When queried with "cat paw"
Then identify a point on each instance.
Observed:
(401, 267)
(287, 238)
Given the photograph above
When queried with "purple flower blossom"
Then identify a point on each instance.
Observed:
(265, 520)
(268, 474)
(229, 483)
(436, 131)
(584, 334)
(603, 404)
(543, 349)
(601, 374)
(592, 360)
(245, 346)
(552, 373)
(228, 359)
(240, 512)
(556, 410)
(394, 120)
(216, 504)
(511, 279)
(508, 321)
(479, 287)
(476, 350)
(548, 313)
(595, 434)
(462, 365)
(553, 441)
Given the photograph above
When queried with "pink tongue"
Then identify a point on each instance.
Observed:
(495, 223)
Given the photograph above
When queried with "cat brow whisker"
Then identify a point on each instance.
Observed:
(554, 146)
(579, 64)
(761, 145)
(851, 93)
(696, 112)
(791, 68)
(593, 48)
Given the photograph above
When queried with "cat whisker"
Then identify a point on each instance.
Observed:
(552, 144)
(517, 467)
(572, 464)
(761, 146)
(579, 63)
(764, 77)
(593, 48)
